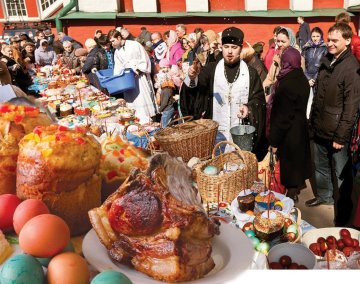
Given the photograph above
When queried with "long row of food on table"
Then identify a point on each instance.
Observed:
(146, 210)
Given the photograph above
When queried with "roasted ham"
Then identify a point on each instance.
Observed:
(156, 223)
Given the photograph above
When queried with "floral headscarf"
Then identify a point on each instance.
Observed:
(290, 60)
(291, 34)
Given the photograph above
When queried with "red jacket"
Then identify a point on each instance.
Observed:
(355, 46)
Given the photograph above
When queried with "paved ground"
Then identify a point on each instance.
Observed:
(321, 216)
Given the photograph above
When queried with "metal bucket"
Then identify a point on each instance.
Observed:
(243, 136)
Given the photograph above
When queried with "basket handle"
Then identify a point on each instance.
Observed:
(230, 143)
(150, 145)
(184, 119)
(298, 215)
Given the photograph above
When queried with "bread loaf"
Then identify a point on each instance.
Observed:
(61, 167)
(15, 122)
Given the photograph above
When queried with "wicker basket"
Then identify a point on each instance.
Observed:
(224, 188)
(189, 139)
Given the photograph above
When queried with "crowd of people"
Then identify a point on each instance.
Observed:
(302, 95)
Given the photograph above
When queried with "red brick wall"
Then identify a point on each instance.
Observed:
(328, 4)
(218, 5)
(278, 4)
(126, 6)
(255, 29)
(172, 5)
(84, 29)
(1, 12)
(31, 8)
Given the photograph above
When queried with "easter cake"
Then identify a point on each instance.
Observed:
(246, 201)
(15, 122)
(268, 224)
(61, 167)
(265, 200)
(118, 159)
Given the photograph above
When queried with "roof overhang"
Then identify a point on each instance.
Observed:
(73, 15)
(355, 8)
(279, 13)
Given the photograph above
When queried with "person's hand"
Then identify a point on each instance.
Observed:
(337, 146)
(15, 66)
(194, 70)
(93, 70)
(311, 82)
(243, 111)
(273, 149)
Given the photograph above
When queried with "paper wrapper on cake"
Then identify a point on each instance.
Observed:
(118, 159)
(15, 122)
(61, 167)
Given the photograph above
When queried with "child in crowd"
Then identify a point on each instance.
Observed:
(166, 81)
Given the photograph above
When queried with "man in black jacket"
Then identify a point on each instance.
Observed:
(227, 91)
(336, 102)
(304, 31)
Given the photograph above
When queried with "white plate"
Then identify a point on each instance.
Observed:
(243, 218)
(232, 252)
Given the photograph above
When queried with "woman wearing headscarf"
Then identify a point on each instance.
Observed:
(312, 52)
(289, 136)
(175, 51)
(285, 37)
(18, 75)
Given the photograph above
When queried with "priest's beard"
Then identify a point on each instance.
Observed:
(231, 69)
(234, 59)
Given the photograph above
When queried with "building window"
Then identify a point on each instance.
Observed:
(16, 8)
(46, 4)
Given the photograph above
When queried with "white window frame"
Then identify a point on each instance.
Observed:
(16, 18)
(197, 6)
(301, 5)
(258, 5)
(148, 6)
(51, 9)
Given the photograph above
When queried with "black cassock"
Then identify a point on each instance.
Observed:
(198, 101)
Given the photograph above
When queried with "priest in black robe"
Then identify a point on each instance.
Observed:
(227, 91)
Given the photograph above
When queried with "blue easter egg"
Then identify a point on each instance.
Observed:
(22, 269)
(211, 170)
(111, 277)
(250, 233)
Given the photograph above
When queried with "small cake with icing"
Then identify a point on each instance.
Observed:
(246, 200)
(61, 167)
(265, 200)
(268, 225)
(65, 109)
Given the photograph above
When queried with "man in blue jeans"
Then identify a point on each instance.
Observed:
(336, 100)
